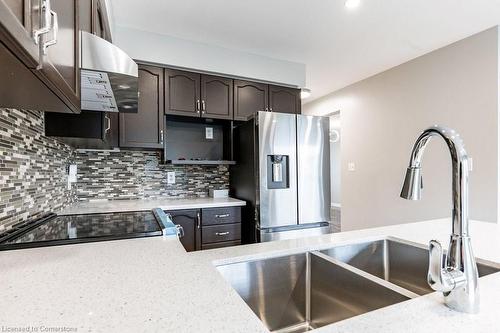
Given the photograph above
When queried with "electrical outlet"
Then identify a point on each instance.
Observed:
(209, 133)
(71, 171)
(171, 177)
(351, 166)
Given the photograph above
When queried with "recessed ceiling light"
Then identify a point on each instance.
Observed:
(304, 93)
(352, 3)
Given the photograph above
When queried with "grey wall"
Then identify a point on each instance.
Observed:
(335, 161)
(456, 86)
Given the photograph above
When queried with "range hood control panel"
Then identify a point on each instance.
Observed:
(97, 94)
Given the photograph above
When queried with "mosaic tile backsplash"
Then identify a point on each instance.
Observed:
(139, 174)
(32, 168)
(33, 172)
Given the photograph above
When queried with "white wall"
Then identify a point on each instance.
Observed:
(456, 86)
(161, 49)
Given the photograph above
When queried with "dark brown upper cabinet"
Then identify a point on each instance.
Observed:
(17, 8)
(89, 129)
(93, 18)
(216, 97)
(284, 99)
(144, 129)
(51, 57)
(64, 55)
(182, 93)
(86, 130)
(249, 97)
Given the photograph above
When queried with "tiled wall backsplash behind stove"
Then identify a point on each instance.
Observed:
(32, 168)
(33, 172)
(116, 175)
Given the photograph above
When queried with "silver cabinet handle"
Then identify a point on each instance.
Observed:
(222, 215)
(55, 29)
(161, 136)
(108, 124)
(197, 106)
(45, 28)
(37, 33)
(203, 106)
(198, 220)
(222, 233)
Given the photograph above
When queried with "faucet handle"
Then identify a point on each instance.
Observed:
(436, 265)
(439, 277)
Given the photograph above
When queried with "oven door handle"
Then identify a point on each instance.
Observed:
(168, 227)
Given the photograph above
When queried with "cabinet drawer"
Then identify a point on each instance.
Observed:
(219, 245)
(220, 233)
(221, 215)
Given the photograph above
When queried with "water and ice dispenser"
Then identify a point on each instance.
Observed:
(277, 171)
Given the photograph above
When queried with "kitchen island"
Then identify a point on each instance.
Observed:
(152, 284)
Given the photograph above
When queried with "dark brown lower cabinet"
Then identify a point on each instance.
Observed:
(190, 222)
(222, 227)
(221, 233)
(220, 245)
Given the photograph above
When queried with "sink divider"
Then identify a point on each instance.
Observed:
(308, 287)
(357, 271)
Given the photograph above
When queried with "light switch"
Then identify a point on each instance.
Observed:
(171, 177)
(351, 166)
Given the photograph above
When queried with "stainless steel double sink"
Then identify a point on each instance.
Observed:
(300, 292)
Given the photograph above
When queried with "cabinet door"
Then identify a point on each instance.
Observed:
(249, 97)
(17, 8)
(182, 93)
(190, 222)
(61, 64)
(284, 99)
(94, 18)
(144, 129)
(18, 18)
(59, 69)
(216, 97)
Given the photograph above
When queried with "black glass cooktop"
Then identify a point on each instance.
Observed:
(57, 230)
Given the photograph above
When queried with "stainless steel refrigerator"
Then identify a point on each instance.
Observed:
(283, 172)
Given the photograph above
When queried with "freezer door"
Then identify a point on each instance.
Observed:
(277, 169)
(313, 150)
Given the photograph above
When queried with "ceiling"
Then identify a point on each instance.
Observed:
(338, 45)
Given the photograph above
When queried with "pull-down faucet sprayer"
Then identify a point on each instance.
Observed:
(456, 274)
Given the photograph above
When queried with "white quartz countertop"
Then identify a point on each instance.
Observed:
(113, 206)
(153, 285)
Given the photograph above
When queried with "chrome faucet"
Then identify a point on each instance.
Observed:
(456, 274)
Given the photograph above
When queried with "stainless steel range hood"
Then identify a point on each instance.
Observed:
(109, 77)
